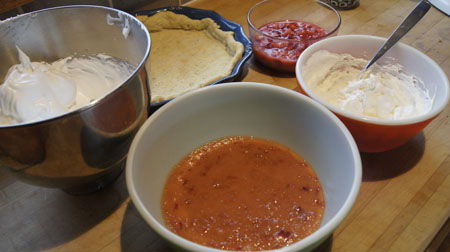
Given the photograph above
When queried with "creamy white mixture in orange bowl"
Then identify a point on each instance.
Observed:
(385, 106)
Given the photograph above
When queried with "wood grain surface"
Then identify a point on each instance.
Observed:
(7, 5)
(403, 204)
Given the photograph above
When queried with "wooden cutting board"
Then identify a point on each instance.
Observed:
(403, 204)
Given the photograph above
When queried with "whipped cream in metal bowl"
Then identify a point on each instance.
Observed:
(34, 91)
(384, 92)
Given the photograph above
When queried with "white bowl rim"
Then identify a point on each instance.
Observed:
(318, 236)
(386, 122)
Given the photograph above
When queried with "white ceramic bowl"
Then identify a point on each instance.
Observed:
(373, 134)
(245, 109)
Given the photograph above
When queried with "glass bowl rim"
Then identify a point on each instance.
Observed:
(295, 40)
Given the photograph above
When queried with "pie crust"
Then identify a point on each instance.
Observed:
(187, 54)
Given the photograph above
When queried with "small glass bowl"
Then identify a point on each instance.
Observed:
(318, 20)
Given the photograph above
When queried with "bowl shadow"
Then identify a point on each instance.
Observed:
(136, 234)
(390, 164)
(325, 246)
(44, 218)
(243, 73)
(260, 68)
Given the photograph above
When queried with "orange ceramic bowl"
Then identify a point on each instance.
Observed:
(373, 134)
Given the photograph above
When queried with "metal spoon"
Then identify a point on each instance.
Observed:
(412, 19)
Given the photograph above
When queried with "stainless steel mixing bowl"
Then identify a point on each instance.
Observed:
(82, 151)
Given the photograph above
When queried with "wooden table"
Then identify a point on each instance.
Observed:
(12, 4)
(403, 204)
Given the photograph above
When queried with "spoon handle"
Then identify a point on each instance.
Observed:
(419, 11)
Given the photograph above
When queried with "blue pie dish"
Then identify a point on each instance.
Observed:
(225, 25)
